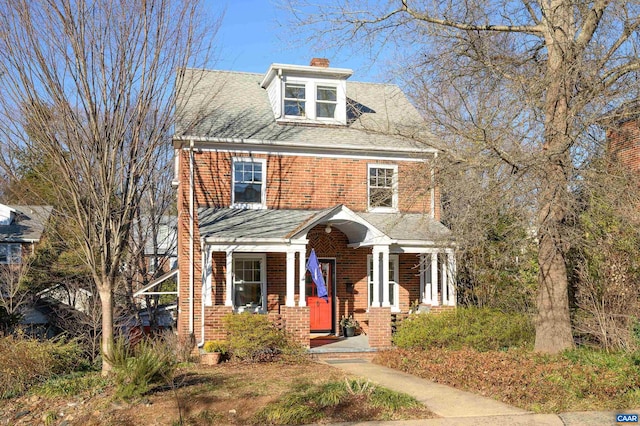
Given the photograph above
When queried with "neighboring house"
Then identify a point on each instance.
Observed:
(21, 228)
(269, 167)
(623, 135)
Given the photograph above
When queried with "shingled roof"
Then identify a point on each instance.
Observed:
(232, 107)
(28, 225)
(254, 225)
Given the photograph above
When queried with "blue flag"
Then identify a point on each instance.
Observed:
(313, 266)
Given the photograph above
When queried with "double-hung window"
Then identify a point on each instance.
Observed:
(326, 101)
(295, 99)
(249, 282)
(10, 254)
(394, 266)
(382, 187)
(249, 182)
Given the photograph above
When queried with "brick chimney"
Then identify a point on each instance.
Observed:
(320, 62)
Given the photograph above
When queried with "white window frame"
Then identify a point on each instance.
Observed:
(394, 188)
(317, 101)
(304, 101)
(394, 260)
(263, 188)
(263, 282)
(9, 247)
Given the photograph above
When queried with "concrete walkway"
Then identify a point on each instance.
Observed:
(457, 407)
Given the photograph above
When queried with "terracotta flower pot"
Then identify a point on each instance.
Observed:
(210, 358)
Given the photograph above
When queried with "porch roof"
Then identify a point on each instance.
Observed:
(245, 225)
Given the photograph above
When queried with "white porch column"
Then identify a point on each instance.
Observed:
(434, 279)
(385, 277)
(451, 260)
(206, 276)
(445, 287)
(425, 285)
(302, 268)
(229, 276)
(375, 302)
(291, 278)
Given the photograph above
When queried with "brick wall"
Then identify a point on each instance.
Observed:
(213, 326)
(380, 327)
(296, 322)
(327, 182)
(295, 182)
(624, 144)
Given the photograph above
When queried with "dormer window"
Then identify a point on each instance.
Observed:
(315, 95)
(326, 101)
(294, 99)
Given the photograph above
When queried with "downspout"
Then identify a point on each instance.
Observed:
(203, 264)
(191, 244)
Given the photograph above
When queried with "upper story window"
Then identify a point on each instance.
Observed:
(249, 189)
(10, 254)
(326, 101)
(383, 188)
(295, 99)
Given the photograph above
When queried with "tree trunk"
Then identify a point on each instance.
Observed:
(106, 300)
(553, 323)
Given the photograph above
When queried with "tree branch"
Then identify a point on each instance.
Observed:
(529, 29)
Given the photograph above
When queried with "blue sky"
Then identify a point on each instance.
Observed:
(249, 40)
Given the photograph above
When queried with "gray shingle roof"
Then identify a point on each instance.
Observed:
(408, 226)
(28, 225)
(232, 105)
(239, 223)
(232, 224)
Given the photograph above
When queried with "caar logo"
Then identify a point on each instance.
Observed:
(627, 418)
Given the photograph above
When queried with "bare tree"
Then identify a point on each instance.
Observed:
(521, 83)
(14, 295)
(90, 85)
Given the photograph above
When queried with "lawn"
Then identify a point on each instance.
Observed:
(226, 394)
(578, 380)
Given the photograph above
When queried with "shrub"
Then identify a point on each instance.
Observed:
(221, 346)
(254, 338)
(25, 362)
(137, 367)
(481, 329)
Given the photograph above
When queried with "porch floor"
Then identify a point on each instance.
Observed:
(324, 344)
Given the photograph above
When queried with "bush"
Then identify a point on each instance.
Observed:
(137, 367)
(481, 329)
(221, 346)
(254, 338)
(25, 362)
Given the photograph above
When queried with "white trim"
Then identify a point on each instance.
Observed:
(263, 187)
(434, 279)
(143, 291)
(263, 280)
(395, 259)
(269, 147)
(394, 188)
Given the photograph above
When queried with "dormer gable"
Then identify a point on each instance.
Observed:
(314, 94)
(7, 214)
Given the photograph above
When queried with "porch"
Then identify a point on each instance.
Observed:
(374, 266)
(324, 347)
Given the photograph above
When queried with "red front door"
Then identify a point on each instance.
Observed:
(321, 310)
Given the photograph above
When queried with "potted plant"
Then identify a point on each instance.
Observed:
(349, 325)
(214, 350)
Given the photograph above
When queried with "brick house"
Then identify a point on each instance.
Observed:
(269, 167)
(623, 135)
